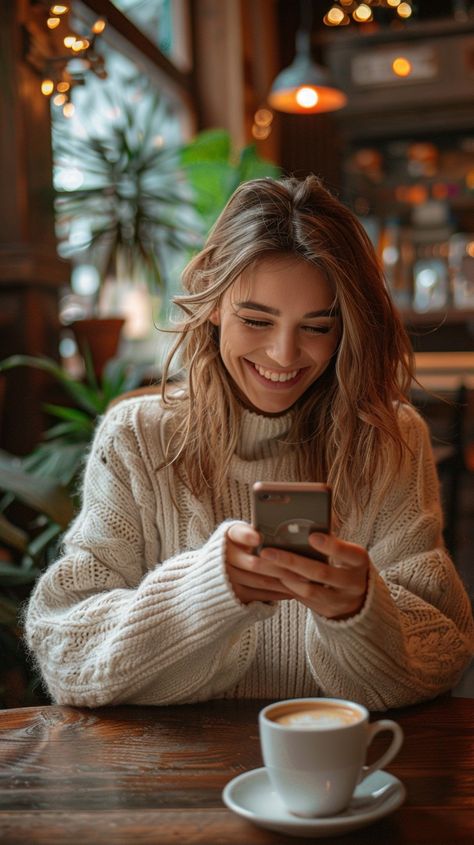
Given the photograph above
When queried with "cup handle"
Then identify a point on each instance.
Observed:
(392, 750)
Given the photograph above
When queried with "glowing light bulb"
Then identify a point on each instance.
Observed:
(306, 97)
(79, 45)
(69, 110)
(404, 10)
(59, 99)
(52, 23)
(263, 117)
(393, 3)
(62, 87)
(58, 9)
(363, 13)
(69, 40)
(99, 26)
(401, 66)
(47, 87)
(335, 16)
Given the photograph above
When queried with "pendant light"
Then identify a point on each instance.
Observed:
(305, 87)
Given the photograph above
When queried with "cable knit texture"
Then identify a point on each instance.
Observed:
(139, 609)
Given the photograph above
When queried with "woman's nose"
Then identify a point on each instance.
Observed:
(284, 349)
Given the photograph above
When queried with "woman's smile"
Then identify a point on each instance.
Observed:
(275, 379)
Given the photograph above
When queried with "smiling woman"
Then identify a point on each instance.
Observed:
(296, 369)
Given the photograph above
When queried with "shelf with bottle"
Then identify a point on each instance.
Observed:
(416, 199)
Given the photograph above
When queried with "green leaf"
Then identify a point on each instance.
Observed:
(13, 576)
(43, 540)
(41, 494)
(83, 395)
(58, 460)
(12, 535)
(9, 611)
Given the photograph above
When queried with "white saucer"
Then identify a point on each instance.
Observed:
(251, 795)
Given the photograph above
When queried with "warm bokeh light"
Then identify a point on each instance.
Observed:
(263, 117)
(393, 3)
(470, 249)
(99, 26)
(58, 9)
(306, 97)
(59, 99)
(261, 133)
(80, 44)
(363, 13)
(335, 15)
(47, 87)
(69, 110)
(401, 66)
(52, 23)
(404, 10)
(69, 40)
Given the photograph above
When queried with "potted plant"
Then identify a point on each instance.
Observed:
(145, 202)
(45, 482)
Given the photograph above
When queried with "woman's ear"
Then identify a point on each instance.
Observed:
(215, 316)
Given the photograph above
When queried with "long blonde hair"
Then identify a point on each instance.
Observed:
(345, 426)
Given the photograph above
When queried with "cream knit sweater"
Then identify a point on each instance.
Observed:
(139, 610)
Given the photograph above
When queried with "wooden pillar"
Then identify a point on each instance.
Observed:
(30, 271)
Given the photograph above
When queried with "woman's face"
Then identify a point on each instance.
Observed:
(276, 331)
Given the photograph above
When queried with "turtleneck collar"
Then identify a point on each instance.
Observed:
(259, 433)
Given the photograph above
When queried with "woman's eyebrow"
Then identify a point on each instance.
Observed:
(256, 306)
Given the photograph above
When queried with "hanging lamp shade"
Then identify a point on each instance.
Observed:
(305, 87)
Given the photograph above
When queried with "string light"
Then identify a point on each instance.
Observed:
(363, 12)
(47, 87)
(55, 64)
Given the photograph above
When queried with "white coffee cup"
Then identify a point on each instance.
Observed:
(314, 751)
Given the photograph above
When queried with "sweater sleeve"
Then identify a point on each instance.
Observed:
(110, 623)
(414, 636)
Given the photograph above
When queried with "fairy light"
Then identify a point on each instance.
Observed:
(363, 12)
(47, 87)
(99, 26)
(60, 78)
(404, 10)
(401, 66)
(335, 16)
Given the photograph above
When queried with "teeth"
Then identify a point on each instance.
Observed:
(272, 376)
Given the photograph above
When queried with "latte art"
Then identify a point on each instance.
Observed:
(323, 716)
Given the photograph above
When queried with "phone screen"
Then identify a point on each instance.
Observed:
(286, 514)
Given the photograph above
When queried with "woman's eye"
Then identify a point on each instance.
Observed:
(317, 329)
(256, 324)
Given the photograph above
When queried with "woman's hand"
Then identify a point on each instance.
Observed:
(247, 572)
(337, 590)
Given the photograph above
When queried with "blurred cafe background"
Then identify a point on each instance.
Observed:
(124, 128)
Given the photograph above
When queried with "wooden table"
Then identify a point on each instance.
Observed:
(155, 775)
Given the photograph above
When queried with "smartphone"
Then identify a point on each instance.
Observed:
(286, 514)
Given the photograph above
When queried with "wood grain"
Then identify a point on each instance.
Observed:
(155, 775)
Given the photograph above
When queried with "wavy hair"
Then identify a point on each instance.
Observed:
(345, 427)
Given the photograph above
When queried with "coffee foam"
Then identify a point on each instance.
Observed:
(316, 716)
